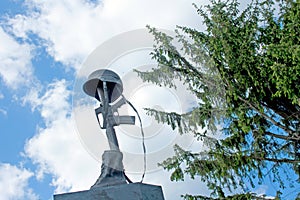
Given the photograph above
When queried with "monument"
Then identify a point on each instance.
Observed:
(112, 184)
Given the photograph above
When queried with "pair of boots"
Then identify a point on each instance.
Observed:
(112, 169)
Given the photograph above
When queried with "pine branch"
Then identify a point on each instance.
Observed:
(283, 160)
(282, 136)
(266, 116)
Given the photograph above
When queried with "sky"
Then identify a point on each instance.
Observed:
(50, 142)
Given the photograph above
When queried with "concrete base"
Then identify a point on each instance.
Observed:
(133, 191)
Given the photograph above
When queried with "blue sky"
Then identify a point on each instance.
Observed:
(43, 48)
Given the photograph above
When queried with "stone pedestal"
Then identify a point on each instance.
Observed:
(133, 191)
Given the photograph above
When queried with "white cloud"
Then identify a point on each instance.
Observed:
(53, 104)
(56, 149)
(15, 61)
(3, 112)
(261, 191)
(173, 190)
(71, 29)
(14, 183)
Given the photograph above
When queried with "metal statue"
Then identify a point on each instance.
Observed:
(106, 86)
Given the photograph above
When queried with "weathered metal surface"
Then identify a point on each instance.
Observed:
(96, 79)
(106, 86)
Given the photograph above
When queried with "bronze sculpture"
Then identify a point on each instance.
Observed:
(106, 86)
